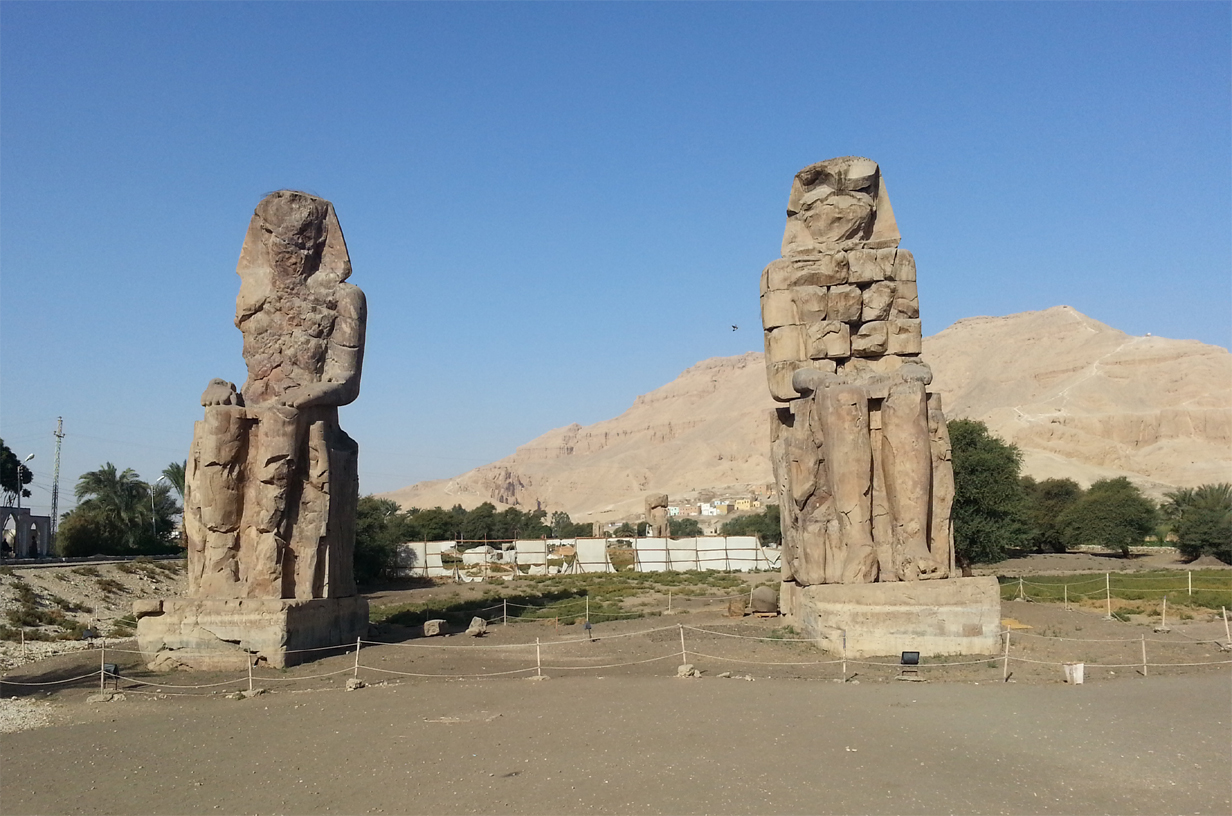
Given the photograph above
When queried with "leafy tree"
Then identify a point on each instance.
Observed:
(1201, 520)
(1046, 501)
(766, 525)
(1112, 514)
(989, 505)
(627, 530)
(377, 529)
(683, 527)
(118, 514)
(14, 475)
(480, 524)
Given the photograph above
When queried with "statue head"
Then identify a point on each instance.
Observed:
(294, 241)
(838, 203)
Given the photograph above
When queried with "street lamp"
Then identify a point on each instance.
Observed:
(20, 467)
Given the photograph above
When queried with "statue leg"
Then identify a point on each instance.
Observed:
(907, 463)
(308, 541)
(275, 464)
(844, 414)
(941, 531)
(780, 419)
(809, 494)
(220, 444)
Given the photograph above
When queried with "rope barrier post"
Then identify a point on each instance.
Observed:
(538, 660)
(669, 599)
(1020, 595)
(1227, 635)
(844, 655)
(1189, 574)
(1108, 593)
(684, 655)
(23, 642)
(504, 612)
(1005, 665)
(1066, 597)
(102, 664)
(358, 645)
(588, 608)
(1144, 655)
(1163, 616)
(250, 674)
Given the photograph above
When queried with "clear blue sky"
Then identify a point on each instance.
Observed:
(555, 207)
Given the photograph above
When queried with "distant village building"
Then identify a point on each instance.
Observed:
(673, 511)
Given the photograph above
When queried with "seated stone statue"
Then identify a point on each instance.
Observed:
(860, 449)
(271, 481)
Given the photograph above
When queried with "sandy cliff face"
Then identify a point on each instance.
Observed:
(1084, 400)
(1081, 399)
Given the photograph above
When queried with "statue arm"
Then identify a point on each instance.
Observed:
(339, 384)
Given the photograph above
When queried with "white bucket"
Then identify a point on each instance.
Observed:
(1073, 673)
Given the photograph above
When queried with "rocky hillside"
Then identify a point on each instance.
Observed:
(1083, 400)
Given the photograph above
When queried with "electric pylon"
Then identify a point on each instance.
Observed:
(55, 481)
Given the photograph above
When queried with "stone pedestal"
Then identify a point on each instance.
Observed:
(956, 616)
(223, 635)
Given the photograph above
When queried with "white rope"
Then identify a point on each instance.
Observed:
(6, 682)
(613, 665)
(414, 674)
(752, 637)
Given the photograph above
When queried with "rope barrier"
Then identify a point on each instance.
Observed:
(610, 665)
(49, 683)
(414, 674)
(764, 663)
(751, 637)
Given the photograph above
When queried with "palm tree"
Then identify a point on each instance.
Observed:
(174, 473)
(125, 508)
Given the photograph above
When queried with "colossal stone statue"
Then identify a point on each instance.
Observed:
(860, 449)
(271, 479)
(271, 484)
(656, 516)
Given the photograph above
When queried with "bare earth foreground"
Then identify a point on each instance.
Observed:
(635, 739)
(647, 745)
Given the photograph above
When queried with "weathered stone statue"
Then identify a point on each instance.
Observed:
(860, 449)
(656, 516)
(271, 484)
(271, 479)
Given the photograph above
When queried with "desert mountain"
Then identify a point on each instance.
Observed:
(1081, 399)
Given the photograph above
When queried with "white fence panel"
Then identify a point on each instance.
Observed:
(592, 555)
(650, 554)
(533, 552)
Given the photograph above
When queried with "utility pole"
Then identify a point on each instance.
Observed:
(55, 484)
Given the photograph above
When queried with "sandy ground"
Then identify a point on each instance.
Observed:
(600, 739)
(456, 725)
(644, 745)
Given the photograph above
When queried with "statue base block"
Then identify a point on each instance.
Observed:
(224, 635)
(955, 616)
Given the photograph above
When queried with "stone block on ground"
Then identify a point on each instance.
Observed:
(434, 627)
(227, 634)
(765, 599)
(478, 627)
(954, 616)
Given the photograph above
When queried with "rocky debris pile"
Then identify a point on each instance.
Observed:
(20, 714)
